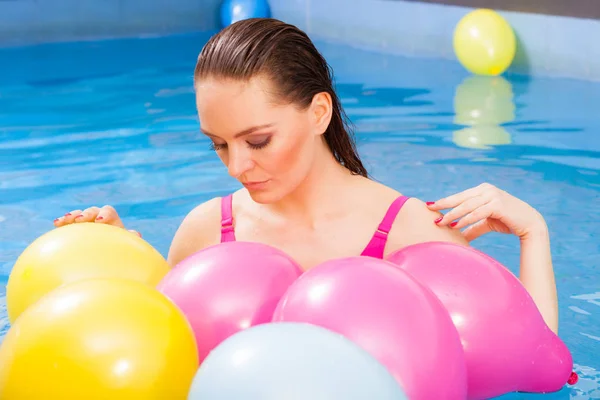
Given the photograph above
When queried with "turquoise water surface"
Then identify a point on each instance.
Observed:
(113, 122)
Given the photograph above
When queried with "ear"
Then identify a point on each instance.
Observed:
(320, 112)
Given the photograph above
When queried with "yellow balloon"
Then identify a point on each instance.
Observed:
(484, 42)
(114, 339)
(78, 251)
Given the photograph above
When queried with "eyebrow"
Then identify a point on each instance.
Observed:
(244, 132)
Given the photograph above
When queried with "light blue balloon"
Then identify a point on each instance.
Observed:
(292, 361)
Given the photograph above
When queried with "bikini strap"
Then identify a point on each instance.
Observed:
(376, 246)
(227, 230)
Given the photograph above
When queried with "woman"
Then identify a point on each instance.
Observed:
(265, 98)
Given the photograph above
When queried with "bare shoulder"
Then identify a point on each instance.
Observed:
(199, 229)
(415, 224)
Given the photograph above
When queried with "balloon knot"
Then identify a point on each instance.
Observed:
(573, 378)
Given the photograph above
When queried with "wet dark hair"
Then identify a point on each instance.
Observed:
(287, 56)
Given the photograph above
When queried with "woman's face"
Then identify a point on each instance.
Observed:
(270, 148)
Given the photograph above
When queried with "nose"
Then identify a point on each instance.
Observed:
(239, 162)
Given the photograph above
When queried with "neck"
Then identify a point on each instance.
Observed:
(308, 204)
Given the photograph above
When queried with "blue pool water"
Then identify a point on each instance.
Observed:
(113, 122)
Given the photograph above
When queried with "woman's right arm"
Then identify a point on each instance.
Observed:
(199, 229)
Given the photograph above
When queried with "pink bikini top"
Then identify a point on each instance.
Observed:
(375, 248)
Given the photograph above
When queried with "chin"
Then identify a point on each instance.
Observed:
(265, 196)
(262, 197)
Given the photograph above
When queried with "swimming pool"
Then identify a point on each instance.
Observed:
(113, 122)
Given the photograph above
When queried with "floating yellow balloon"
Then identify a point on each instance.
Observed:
(79, 251)
(114, 339)
(484, 42)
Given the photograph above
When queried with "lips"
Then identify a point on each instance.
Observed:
(255, 184)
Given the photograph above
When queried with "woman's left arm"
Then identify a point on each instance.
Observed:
(484, 209)
(537, 274)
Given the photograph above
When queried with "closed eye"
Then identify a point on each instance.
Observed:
(256, 145)
(217, 146)
(260, 143)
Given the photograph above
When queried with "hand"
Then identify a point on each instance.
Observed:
(105, 215)
(484, 209)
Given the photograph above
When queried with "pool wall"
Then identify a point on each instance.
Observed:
(556, 38)
(37, 21)
(555, 45)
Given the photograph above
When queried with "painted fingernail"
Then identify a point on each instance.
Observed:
(99, 218)
(437, 221)
(453, 224)
(573, 378)
(430, 203)
(67, 214)
(57, 219)
(79, 216)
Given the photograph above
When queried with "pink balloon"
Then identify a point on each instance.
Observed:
(508, 347)
(229, 287)
(388, 313)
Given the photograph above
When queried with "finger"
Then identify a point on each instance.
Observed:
(462, 209)
(87, 215)
(66, 219)
(108, 215)
(476, 230)
(479, 214)
(454, 200)
(135, 232)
